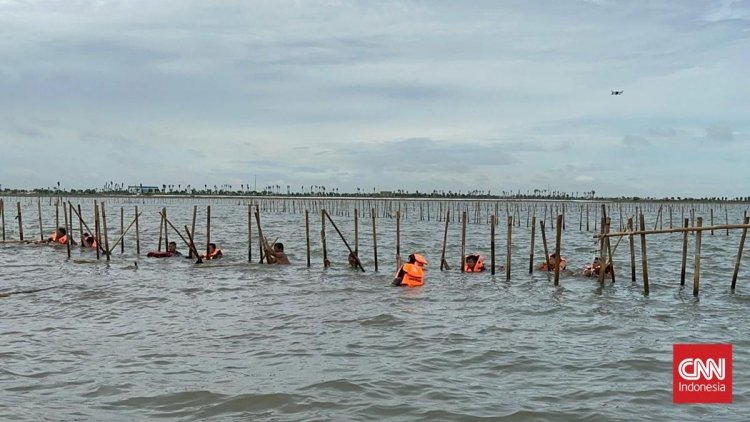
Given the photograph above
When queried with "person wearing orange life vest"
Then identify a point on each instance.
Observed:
(474, 263)
(60, 236)
(411, 274)
(553, 262)
(213, 252)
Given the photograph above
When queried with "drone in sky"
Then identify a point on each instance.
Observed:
(617, 92)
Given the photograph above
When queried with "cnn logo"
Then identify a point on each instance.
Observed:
(702, 373)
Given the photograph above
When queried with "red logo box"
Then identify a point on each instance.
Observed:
(702, 373)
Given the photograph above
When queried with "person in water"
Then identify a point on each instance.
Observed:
(352, 258)
(88, 241)
(411, 274)
(277, 255)
(172, 248)
(593, 269)
(553, 262)
(474, 263)
(213, 252)
(60, 236)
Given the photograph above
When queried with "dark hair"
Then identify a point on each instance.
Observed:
(279, 246)
(412, 259)
(62, 230)
(211, 244)
(175, 243)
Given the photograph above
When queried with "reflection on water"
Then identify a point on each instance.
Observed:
(235, 340)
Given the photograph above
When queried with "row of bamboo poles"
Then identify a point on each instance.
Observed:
(606, 251)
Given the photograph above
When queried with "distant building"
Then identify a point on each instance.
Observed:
(140, 189)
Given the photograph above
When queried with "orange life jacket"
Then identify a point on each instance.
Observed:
(61, 240)
(413, 275)
(478, 265)
(214, 255)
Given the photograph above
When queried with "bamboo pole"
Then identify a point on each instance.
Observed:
(20, 222)
(122, 229)
(166, 234)
(697, 267)
(104, 227)
(161, 232)
(726, 217)
(208, 230)
(632, 249)
(739, 254)
(192, 231)
(443, 261)
(603, 248)
(684, 253)
(193, 249)
(250, 235)
(374, 239)
(492, 244)
(343, 239)
(126, 230)
(80, 222)
(531, 251)
(644, 260)
(558, 240)
(57, 214)
(41, 228)
(323, 237)
(138, 234)
(398, 240)
(97, 231)
(307, 235)
(544, 243)
(611, 263)
(2, 216)
(67, 229)
(463, 241)
(509, 248)
(356, 229)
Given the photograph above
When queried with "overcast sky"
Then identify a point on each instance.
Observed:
(417, 95)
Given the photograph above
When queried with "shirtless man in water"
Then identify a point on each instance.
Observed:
(277, 255)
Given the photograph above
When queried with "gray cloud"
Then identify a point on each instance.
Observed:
(630, 140)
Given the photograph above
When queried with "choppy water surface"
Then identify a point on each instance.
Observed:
(232, 340)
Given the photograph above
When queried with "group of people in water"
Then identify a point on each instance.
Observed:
(410, 274)
(275, 253)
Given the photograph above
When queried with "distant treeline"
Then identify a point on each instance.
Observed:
(529, 195)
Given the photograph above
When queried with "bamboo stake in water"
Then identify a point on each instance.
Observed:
(138, 234)
(697, 268)
(67, 229)
(443, 261)
(463, 241)
(603, 249)
(374, 239)
(104, 227)
(492, 244)
(531, 251)
(161, 231)
(323, 237)
(2, 216)
(192, 232)
(80, 224)
(20, 222)
(250, 235)
(684, 253)
(356, 231)
(509, 247)
(41, 229)
(166, 234)
(122, 229)
(57, 215)
(398, 240)
(739, 254)
(558, 258)
(97, 230)
(644, 260)
(632, 249)
(307, 235)
(544, 242)
(208, 230)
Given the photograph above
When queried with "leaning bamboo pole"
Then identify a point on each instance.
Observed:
(104, 228)
(41, 228)
(509, 249)
(443, 262)
(531, 251)
(544, 243)
(374, 238)
(632, 249)
(558, 258)
(359, 264)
